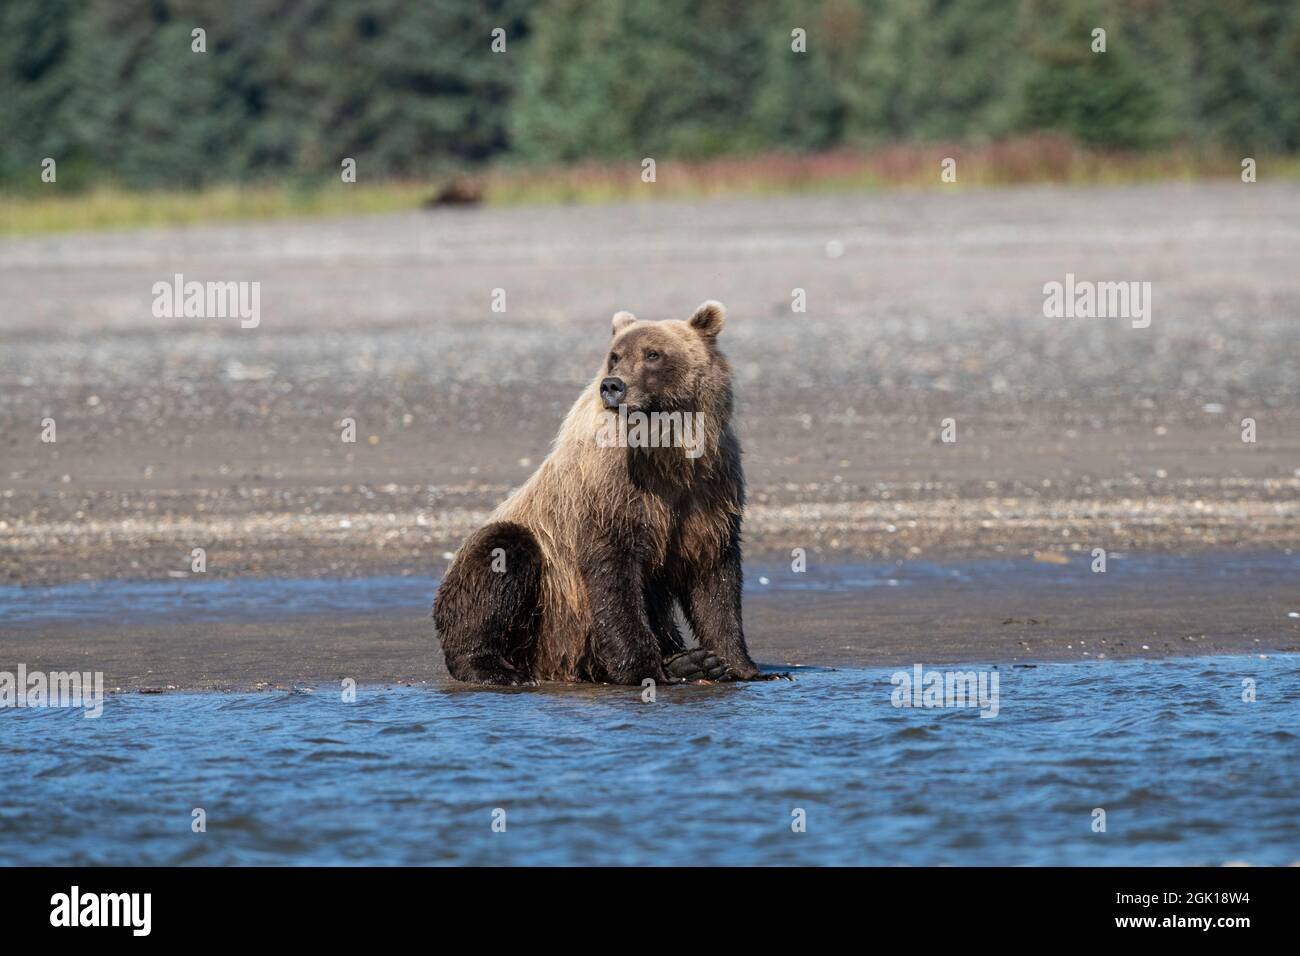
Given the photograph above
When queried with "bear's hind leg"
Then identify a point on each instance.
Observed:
(487, 606)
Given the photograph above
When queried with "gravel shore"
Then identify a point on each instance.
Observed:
(179, 433)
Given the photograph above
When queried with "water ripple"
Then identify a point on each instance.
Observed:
(1186, 771)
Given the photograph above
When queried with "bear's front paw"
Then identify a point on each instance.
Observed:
(696, 665)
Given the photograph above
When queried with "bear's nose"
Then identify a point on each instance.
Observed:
(612, 391)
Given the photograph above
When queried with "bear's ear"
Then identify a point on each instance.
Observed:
(709, 319)
(622, 320)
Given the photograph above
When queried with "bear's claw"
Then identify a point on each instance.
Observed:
(752, 673)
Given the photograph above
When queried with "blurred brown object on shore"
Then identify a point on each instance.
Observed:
(456, 192)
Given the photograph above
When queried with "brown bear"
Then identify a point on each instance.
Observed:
(575, 577)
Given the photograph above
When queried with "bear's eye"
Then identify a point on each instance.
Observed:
(652, 356)
(613, 359)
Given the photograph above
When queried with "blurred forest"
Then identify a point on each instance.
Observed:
(286, 88)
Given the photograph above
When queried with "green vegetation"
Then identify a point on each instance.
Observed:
(260, 122)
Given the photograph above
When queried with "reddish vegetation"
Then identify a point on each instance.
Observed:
(1028, 159)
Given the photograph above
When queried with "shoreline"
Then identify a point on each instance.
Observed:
(176, 434)
(997, 611)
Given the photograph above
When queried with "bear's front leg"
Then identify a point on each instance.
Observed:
(624, 647)
(710, 598)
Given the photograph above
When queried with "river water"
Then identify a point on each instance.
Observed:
(1186, 771)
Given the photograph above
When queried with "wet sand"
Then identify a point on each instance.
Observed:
(1072, 434)
(987, 612)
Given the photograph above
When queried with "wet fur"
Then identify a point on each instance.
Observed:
(601, 544)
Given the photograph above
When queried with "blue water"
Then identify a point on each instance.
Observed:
(1186, 771)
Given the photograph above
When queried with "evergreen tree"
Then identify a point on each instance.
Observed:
(287, 88)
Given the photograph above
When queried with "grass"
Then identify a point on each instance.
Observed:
(1036, 159)
(111, 207)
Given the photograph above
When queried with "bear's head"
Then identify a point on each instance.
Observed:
(668, 366)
